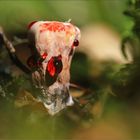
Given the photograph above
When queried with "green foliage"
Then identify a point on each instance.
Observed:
(15, 15)
(133, 39)
(127, 79)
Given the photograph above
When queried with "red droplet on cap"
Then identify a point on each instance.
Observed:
(31, 62)
(50, 67)
(44, 55)
(76, 42)
(55, 65)
(31, 24)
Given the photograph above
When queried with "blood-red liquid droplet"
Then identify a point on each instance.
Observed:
(54, 66)
(51, 67)
(44, 55)
(31, 62)
(76, 42)
(31, 24)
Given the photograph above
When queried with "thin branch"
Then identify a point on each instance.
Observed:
(12, 52)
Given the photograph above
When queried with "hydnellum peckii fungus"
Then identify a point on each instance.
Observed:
(52, 45)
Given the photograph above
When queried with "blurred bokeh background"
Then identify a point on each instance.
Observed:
(106, 109)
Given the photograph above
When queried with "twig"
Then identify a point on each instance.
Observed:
(12, 52)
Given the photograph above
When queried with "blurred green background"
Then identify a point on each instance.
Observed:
(16, 14)
(104, 116)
